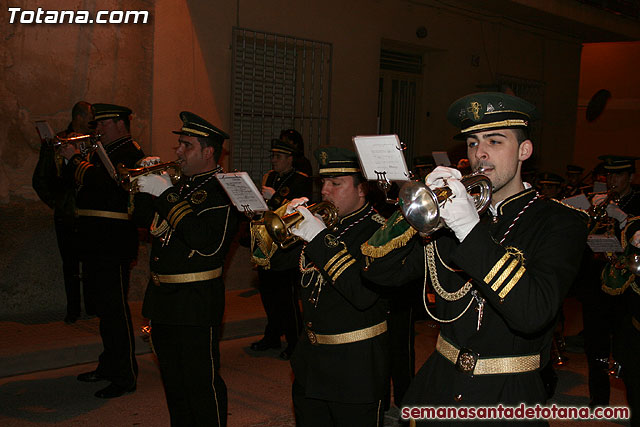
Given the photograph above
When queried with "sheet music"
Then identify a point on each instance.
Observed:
(381, 157)
(580, 201)
(106, 161)
(44, 130)
(604, 243)
(441, 158)
(242, 191)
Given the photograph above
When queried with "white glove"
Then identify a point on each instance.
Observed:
(268, 192)
(154, 184)
(459, 211)
(309, 227)
(291, 207)
(598, 199)
(635, 240)
(149, 161)
(441, 174)
(616, 213)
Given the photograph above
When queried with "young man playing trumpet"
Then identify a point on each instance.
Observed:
(192, 224)
(499, 279)
(340, 362)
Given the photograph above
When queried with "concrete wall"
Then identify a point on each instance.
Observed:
(610, 66)
(45, 69)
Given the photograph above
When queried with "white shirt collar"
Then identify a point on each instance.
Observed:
(494, 209)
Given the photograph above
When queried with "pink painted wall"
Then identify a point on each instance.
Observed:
(611, 66)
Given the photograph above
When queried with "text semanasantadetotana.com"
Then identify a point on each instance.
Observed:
(521, 412)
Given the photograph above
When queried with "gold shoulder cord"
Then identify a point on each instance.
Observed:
(430, 262)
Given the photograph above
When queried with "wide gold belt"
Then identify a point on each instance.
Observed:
(468, 362)
(186, 277)
(103, 214)
(347, 337)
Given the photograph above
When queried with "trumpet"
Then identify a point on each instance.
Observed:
(86, 143)
(421, 206)
(279, 228)
(128, 177)
(598, 218)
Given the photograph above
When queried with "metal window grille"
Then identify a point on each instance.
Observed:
(278, 82)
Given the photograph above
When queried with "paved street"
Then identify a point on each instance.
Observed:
(258, 383)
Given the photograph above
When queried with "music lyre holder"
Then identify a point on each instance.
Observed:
(385, 185)
(248, 211)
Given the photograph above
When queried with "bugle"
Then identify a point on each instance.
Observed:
(86, 143)
(598, 218)
(421, 206)
(279, 228)
(128, 177)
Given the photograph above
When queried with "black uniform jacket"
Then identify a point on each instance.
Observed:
(630, 203)
(289, 186)
(634, 294)
(523, 280)
(100, 237)
(199, 224)
(351, 372)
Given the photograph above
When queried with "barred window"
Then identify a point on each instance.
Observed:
(279, 82)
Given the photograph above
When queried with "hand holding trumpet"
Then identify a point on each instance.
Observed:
(154, 184)
(309, 227)
(459, 211)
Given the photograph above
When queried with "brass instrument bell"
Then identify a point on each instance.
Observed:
(421, 206)
(279, 227)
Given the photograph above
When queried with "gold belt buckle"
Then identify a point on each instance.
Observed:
(155, 278)
(466, 361)
(312, 337)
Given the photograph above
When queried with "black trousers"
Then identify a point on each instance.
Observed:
(631, 370)
(70, 266)
(189, 359)
(278, 291)
(602, 318)
(401, 331)
(324, 413)
(109, 286)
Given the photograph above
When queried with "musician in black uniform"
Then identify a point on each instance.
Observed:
(300, 162)
(280, 277)
(193, 224)
(341, 361)
(48, 183)
(606, 290)
(499, 280)
(549, 185)
(108, 243)
(630, 329)
(574, 182)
